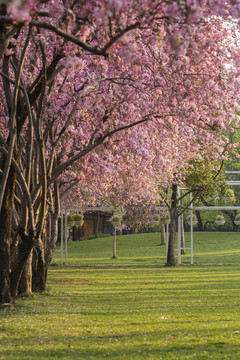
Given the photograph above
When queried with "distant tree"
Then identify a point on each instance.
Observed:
(201, 179)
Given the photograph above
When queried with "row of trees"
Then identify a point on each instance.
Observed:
(105, 97)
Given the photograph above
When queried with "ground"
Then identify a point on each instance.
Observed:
(129, 312)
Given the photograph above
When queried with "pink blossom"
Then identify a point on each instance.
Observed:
(129, 54)
(55, 9)
(19, 10)
(234, 11)
(115, 4)
(172, 10)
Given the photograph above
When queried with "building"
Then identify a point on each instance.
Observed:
(95, 222)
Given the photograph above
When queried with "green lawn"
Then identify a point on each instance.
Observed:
(209, 248)
(128, 313)
(131, 312)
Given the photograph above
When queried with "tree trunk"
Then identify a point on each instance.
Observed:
(199, 219)
(54, 235)
(39, 266)
(231, 215)
(17, 267)
(206, 224)
(171, 261)
(5, 240)
(5, 234)
(25, 285)
(75, 233)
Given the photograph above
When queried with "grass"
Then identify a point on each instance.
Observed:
(209, 248)
(126, 312)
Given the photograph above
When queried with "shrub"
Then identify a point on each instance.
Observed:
(70, 218)
(116, 219)
(77, 217)
(220, 218)
(237, 217)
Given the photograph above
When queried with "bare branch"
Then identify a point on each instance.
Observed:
(12, 126)
(24, 188)
(5, 20)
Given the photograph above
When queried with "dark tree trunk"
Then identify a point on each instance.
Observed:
(232, 215)
(39, 267)
(206, 224)
(199, 219)
(17, 267)
(5, 234)
(75, 233)
(25, 284)
(171, 261)
(5, 240)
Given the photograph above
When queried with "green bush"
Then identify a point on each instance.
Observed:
(69, 218)
(237, 217)
(116, 218)
(77, 217)
(220, 218)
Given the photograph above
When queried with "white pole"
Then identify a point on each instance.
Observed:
(114, 243)
(179, 240)
(191, 231)
(167, 240)
(62, 238)
(179, 233)
(50, 232)
(66, 239)
(168, 195)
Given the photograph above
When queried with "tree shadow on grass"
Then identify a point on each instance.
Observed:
(139, 345)
(209, 350)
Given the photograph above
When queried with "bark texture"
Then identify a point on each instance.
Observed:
(171, 260)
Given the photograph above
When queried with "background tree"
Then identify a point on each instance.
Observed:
(201, 179)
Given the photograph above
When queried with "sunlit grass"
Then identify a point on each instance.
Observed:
(128, 313)
(142, 311)
(208, 248)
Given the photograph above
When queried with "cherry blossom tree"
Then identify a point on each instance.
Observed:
(193, 132)
(77, 75)
(41, 43)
